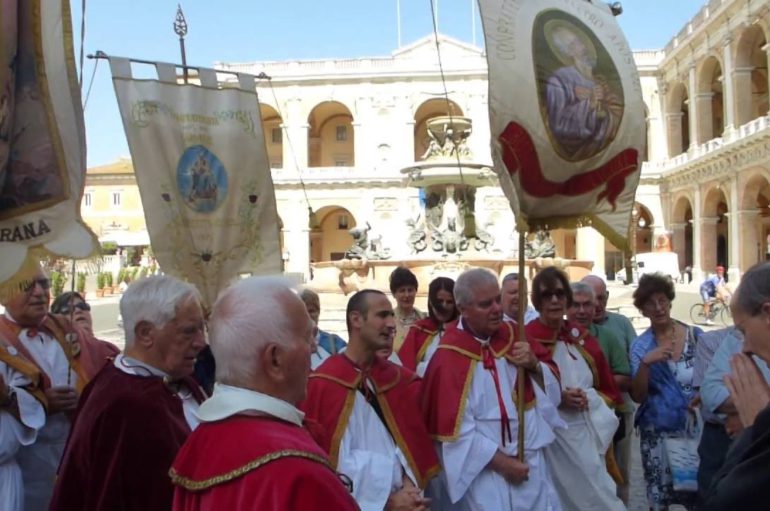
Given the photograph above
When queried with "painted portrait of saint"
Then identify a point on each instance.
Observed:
(579, 88)
(201, 179)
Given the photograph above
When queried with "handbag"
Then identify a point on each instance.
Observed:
(682, 453)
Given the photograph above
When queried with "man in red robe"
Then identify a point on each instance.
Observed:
(251, 450)
(67, 358)
(138, 411)
(367, 414)
(472, 411)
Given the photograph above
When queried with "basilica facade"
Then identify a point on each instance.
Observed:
(346, 139)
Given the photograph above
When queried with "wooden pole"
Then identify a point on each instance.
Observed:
(521, 373)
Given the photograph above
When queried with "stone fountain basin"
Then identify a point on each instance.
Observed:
(350, 275)
(444, 171)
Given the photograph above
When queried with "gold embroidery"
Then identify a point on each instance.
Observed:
(425, 346)
(192, 485)
(461, 410)
(342, 423)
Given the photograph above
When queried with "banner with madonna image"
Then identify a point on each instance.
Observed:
(42, 142)
(566, 114)
(200, 161)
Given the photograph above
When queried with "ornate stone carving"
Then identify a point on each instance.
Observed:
(540, 247)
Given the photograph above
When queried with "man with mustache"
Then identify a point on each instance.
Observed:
(68, 358)
(363, 412)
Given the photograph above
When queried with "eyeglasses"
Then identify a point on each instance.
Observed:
(549, 294)
(43, 283)
(654, 304)
(83, 306)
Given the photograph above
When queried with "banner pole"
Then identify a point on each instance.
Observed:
(521, 373)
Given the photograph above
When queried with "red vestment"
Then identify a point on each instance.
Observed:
(125, 434)
(417, 341)
(330, 396)
(248, 462)
(588, 346)
(450, 372)
(86, 354)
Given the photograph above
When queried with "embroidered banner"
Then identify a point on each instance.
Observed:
(42, 140)
(201, 165)
(566, 114)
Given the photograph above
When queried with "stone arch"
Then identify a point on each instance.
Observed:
(329, 239)
(751, 83)
(643, 222)
(330, 136)
(710, 100)
(272, 128)
(715, 231)
(682, 231)
(754, 219)
(435, 107)
(678, 119)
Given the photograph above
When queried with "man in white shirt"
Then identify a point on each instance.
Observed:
(368, 416)
(471, 406)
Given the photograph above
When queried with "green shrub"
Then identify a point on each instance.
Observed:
(100, 280)
(81, 284)
(108, 279)
(57, 283)
(109, 248)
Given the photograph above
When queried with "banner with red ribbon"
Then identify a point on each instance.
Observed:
(566, 114)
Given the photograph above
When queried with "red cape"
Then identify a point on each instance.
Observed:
(416, 342)
(588, 346)
(125, 434)
(330, 396)
(450, 373)
(246, 462)
(86, 354)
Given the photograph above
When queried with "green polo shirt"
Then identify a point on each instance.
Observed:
(620, 326)
(615, 353)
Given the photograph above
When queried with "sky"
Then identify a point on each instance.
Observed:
(261, 30)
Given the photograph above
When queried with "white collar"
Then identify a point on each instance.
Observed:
(228, 401)
(483, 342)
(137, 367)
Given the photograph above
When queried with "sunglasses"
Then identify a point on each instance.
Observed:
(548, 294)
(43, 283)
(83, 306)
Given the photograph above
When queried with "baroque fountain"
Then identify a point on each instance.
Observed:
(443, 238)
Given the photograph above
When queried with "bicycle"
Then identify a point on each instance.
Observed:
(718, 308)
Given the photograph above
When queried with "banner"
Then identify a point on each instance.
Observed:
(201, 165)
(566, 114)
(42, 140)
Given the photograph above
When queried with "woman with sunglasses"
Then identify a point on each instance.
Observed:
(576, 458)
(424, 336)
(662, 360)
(73, 304)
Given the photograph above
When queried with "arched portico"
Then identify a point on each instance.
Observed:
(272, 127)
(678, 120)
(330, 138)
(715, 231)
(329, 239)
(754, 220)
(709, 101)
(682, 227)
(750, 75)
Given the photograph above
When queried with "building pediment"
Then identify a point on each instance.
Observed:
(425, 49)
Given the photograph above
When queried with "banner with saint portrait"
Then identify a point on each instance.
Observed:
(566, 114)
(42, 141)
(200, 161)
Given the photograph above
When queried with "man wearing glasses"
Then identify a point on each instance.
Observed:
(68, 358)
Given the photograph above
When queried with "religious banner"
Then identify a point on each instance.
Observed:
(566, 114)
(42, 141)
(200, 161)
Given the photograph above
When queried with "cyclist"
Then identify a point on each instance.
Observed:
(714, 288)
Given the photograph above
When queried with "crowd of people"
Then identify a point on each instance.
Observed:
(460, 409)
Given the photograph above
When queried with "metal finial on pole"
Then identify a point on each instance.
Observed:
(180, 29)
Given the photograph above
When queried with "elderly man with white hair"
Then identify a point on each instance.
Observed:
(251, 450)
(472, 411)
(138, 411)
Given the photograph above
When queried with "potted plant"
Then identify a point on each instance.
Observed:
(81, 283)
(100, 284)
(107, 283)
(119, 281)
(135, 273)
